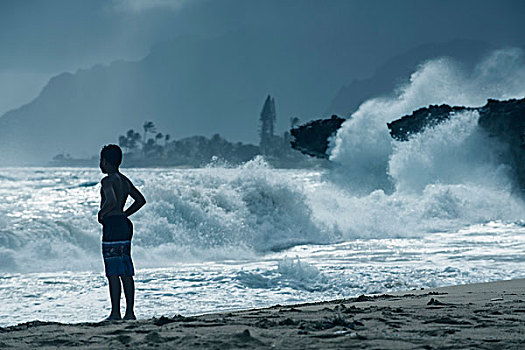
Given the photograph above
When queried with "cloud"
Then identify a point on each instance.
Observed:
(138, 6)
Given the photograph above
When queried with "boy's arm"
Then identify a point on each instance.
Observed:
(138, 200)
(110, 199)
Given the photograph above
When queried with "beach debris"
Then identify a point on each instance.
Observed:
(352, 310)
(164, 320)
(363, 297)
(436, 293)
(435, 302)
(246, 337)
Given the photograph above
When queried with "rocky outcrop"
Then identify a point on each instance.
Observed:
(426, 117)
(504, 120)
(313, 138)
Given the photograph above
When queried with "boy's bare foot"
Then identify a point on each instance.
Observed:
(130, 316)
(113, 317)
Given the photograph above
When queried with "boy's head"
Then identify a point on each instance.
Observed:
(110, 158)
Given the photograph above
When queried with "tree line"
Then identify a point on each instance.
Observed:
(153, 147)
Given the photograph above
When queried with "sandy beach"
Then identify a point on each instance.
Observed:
(476, 316)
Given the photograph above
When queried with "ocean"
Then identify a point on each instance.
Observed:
(223, 239)
(439, 209)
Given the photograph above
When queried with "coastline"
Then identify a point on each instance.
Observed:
(483, 316)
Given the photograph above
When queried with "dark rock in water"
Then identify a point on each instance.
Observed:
(312, 138)
(504, 120)
(401, 129)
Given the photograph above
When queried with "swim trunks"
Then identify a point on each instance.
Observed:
(116, 246)
(117, 258)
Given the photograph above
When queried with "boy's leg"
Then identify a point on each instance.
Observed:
(129, 293)
(114, 294)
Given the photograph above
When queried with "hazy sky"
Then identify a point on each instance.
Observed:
(39, 39)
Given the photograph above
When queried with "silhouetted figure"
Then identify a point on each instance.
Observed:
(117, 230)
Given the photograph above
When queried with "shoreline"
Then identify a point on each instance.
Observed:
(486, 315)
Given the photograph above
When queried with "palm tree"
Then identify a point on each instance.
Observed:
(132, 138)
(123, 142)
(148, 127)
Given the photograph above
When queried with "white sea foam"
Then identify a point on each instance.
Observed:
(290, 273)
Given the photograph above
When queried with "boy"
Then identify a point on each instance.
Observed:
(117, 230)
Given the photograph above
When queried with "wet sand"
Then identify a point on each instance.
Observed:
(476, 316)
